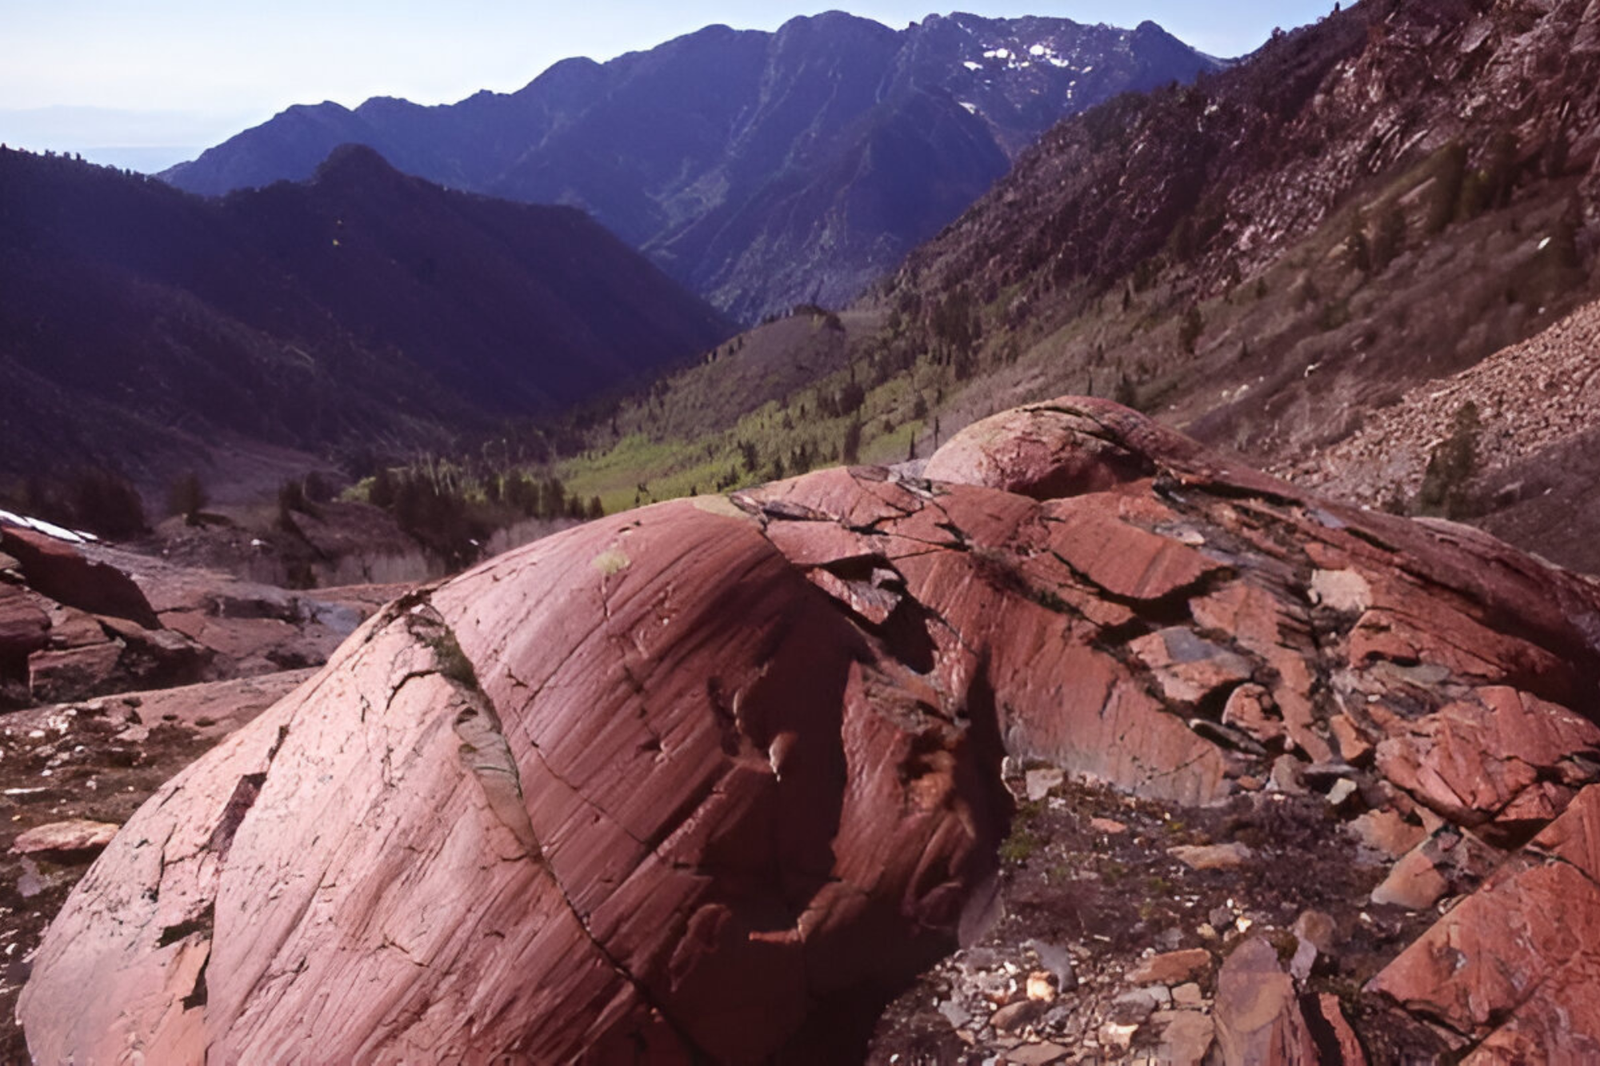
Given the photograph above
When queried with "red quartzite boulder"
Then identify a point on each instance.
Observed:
(641, 785)
(671, 786)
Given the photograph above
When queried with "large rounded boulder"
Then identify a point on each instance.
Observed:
(708, 781)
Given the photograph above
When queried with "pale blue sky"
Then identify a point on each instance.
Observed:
(169, 76)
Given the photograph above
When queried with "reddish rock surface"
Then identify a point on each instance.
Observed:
(94, 762)
(24, 626)
(90, 620)
(1511, 971)
(1258, 1018)
(73, 835)
(1171, 968)
(72, 673)
(679, 837)
(689, 778)
(58, 570)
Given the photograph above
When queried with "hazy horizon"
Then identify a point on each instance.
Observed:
(148, 88)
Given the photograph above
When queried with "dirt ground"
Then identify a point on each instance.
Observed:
(1088, 890)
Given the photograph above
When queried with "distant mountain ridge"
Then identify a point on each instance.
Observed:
(760, 169)
(362, 307)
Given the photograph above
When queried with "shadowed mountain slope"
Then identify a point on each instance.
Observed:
(761, 169)
(361, 305)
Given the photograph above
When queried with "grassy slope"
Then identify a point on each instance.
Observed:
(1285, 361)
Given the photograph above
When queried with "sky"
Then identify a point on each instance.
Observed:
(146, 84)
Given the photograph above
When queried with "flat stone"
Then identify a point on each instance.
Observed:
(72, 673)
(1039, 782)
(1285, 776)
(1386, 831)
(1414, 882)
(1171, 967)
(1016, 1016)
(1186, 1036)
(1187, 994)
(1188, 667)
(1354, 747)
(1108, 826)
(1341, 590)
(1040, 1054)
(1133, 1007)
(24, 625)
(1341, 792)
(1058, 962)
(955, 1013)
(60, 572)
(1258, 1020)
(77, 835)
(72, 628)
(1212, 856)
(1123, 559)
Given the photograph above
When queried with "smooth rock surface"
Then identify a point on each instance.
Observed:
(684, 779)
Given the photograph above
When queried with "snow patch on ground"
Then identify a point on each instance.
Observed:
(49, 529)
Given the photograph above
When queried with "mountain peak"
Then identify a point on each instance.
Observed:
(355, 162)
(755, 165)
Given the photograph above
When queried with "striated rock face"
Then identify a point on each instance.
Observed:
(714, 802)
(688, 782)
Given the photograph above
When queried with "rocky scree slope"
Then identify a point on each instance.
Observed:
(1366, 203)
(1534, 414)
(760, 169)
(361, 306)
(710, 780)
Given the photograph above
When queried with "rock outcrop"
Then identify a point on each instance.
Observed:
(692, 782)
(56, 569)
(72, 627)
